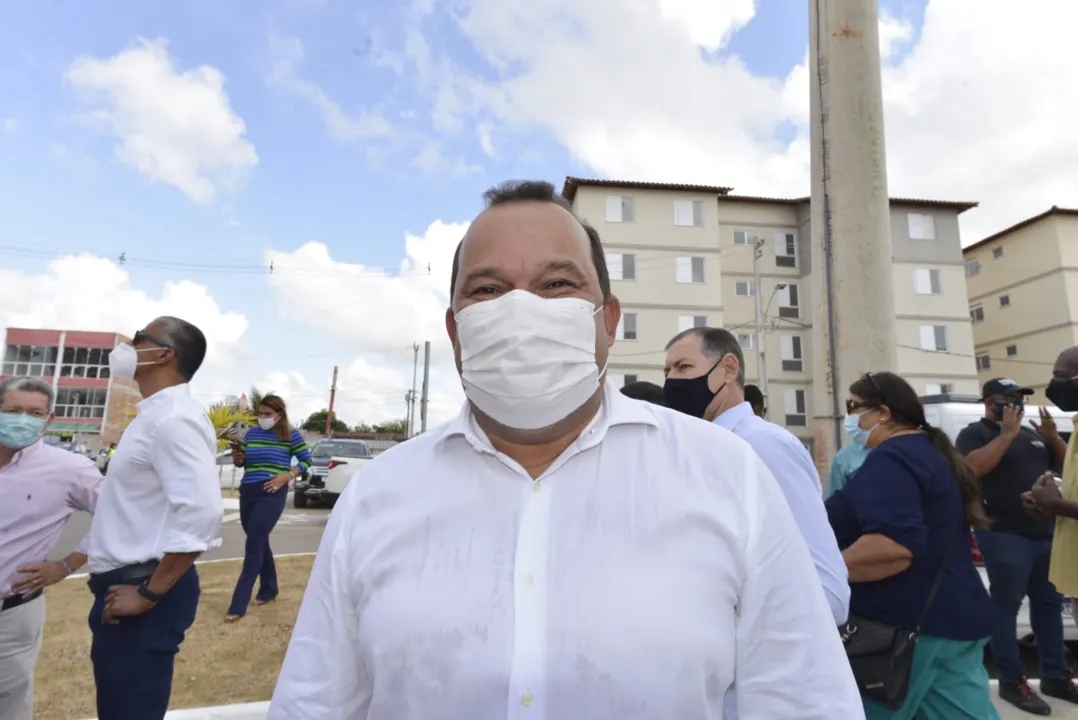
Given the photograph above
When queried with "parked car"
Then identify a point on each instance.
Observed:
(340, 471)
(312, 485)
(952, 414)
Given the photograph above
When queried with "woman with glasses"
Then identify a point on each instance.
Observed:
(903, 519)
(266, 457)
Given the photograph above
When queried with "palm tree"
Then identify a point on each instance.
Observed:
(228, 420)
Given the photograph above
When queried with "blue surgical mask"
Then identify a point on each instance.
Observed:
(853, 428)
(18, 430)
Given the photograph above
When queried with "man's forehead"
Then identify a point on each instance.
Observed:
(1067, 363)
(523, 229)
(24, 398)
(687, 348)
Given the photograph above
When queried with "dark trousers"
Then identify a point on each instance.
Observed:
(259, 513)
(1017, 568)
(133, 660)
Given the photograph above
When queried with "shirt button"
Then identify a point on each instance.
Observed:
(529, 579)
(536, 486)
(527, 699)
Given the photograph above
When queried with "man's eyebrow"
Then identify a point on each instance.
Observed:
(488, 273)
(567, 266)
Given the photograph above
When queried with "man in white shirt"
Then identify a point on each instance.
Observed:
(159, 510)
(559, 550)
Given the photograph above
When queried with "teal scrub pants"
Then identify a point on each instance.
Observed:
(948, 682)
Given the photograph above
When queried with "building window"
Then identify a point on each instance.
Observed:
(620, 209)
(629, 380)
(796, 413)
(922, 227)
(627, 327)
(976, 314)
(786, 249)
(688, 322)
(939, 388)
(973, 267)
(1004, 301)
(997, 252)
(688, 213)
(747, 341)
(934, 338)
(788, 301)
(745, 288)
(926, 281)
(983, 362)
(1012, 350)
(621, 266)
(33, 360)
(80, 402)
(85, 363)
(690, 269)
(792, 357)
(743, 237)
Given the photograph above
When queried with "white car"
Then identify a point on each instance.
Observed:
(1025, 630)
(339, 472)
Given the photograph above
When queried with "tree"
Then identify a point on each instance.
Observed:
(316, 422)
(363, 428)
(255, 397)
(392, 427)
(224, 415)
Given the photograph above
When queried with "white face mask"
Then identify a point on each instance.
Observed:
(267, 423)
(123, 360)
(528, 361)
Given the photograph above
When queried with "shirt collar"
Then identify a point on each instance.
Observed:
(27, 452)
(616, 410)
(165, 394)
(734, 416)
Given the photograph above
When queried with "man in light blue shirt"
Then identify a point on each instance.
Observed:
(705, 378)
(847, 462)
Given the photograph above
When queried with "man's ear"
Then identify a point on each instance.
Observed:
(451, 326)
(611, 317)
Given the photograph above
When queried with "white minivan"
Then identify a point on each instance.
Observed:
(952, 413)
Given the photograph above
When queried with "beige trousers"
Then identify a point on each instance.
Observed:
(21, 629)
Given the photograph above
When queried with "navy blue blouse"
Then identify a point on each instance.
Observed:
(905, 491)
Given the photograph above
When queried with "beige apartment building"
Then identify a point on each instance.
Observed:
(682, 256)
(1023, 297)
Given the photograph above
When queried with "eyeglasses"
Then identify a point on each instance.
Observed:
(141, 336)
(852, 406)
(33, 412)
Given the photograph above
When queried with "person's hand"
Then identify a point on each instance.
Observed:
(1012, 421)
(123, 601)
(1046, 493)
(238, 457)
(277, 482)
(37, 576)
(1031, 507)
(1047, 426)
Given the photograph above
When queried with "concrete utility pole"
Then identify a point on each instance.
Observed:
(332, 400)
(426, 388)
(761, 341)
(411, 406)
(854, 318)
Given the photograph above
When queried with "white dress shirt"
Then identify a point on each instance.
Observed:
(650, 567)
(161, 494)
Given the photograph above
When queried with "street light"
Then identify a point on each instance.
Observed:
(761, 313)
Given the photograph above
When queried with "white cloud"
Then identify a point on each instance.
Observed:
(625, 88)
(343, 127)
(10, 125)
(86, 292)
(375, 315)
(174, 126)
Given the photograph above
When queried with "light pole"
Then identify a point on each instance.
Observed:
(761, 315)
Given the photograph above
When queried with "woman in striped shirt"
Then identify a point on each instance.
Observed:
(266, 459)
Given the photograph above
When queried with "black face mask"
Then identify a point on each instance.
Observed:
(1063, 394)
(691, 395)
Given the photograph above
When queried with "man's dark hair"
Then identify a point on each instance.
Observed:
(715, 343)
(646, 391)
(538, 191)
(754, 396)
(188, 342)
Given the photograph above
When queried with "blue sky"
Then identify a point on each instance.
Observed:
(63, 191)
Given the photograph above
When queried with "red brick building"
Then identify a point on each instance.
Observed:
(90, 406)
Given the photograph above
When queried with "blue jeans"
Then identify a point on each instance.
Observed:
(133, 660)
(259, 513)
(1018, 567)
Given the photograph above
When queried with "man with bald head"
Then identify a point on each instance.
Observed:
(160, 508)
(558, 550)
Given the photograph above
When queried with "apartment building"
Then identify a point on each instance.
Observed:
(1023, 297)
(682, 256)
(90, 406)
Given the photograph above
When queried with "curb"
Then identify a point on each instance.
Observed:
(249, 711)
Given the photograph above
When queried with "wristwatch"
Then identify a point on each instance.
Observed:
(149, 594)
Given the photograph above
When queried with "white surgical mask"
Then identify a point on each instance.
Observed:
(123, 360)
(528, 361)
(267, 423)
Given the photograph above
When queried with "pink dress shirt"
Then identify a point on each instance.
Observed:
(41, 487)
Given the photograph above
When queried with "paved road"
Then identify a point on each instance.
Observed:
(298, 531)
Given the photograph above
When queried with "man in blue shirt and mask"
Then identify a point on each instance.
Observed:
(849, 458)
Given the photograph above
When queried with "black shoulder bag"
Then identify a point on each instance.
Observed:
(881, 655)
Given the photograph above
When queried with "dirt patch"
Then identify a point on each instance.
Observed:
(218, 664)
